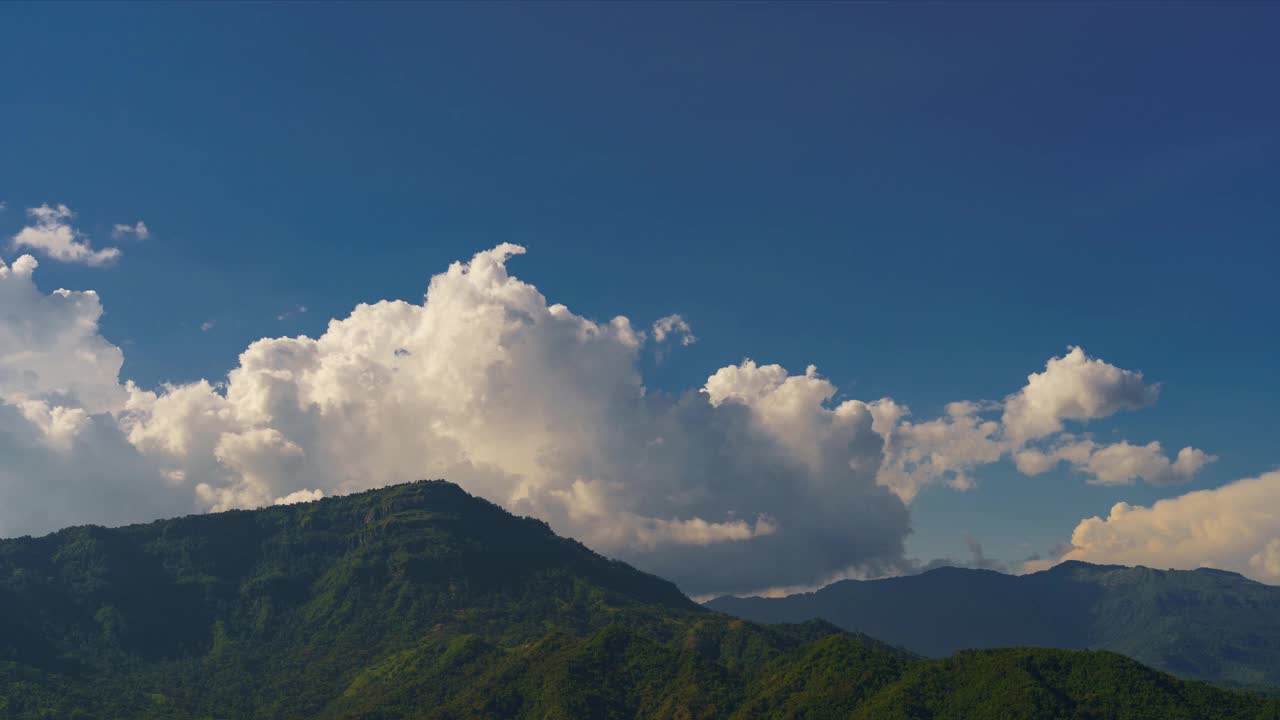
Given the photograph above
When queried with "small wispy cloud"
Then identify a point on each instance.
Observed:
(206, 326)
(299, 310)
(673, 327)
(138, 230)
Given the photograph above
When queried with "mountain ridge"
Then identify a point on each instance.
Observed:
(422, 601)
(1205, 624)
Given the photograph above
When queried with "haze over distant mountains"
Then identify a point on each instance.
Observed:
(1205, 624)
(421, 601)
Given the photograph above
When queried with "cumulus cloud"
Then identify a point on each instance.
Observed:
(1233, 527)
(1073, 387)
(946, 448)
(759, 478)
(300, 496)
(62, 466)
(138, 230)
(1030, 430)
(485, 383)
(51, 233)
(1116, 464)
(50, 346)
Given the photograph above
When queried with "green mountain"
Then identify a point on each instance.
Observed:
(421, 601)
(1203, 624)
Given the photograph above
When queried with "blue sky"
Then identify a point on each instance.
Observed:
(926, 201)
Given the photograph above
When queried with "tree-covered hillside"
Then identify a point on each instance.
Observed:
(420, 601)
(1203, 624)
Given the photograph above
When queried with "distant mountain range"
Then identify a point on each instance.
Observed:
(1204, 624)
(421, 601)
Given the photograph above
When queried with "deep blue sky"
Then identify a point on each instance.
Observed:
(926, 200)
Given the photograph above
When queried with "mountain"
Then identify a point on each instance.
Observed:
(421, 601)
(1203, 624)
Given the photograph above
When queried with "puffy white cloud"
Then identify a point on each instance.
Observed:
(544, 411)
(50, 346)
(523, 402)
(1072, 387)
(1233, 527)
(1266, 562)
(59, 426)
(52, 234)
(1116, 464)
(64, 458)
(63, 467)
(793, 411)
(946, 448)
(300, 496)
(1123, 463)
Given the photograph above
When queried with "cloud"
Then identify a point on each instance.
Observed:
(946, 448)
(519, 400)
(63, 466)
(485, 383)
(300, 496)
(1116, 464)
(1072, 387)
(674, 327)
(1030, 430)
(50, 346)
(52, 235)
(207, 325)
(1233, 527)
(977, 560)
(138, 230)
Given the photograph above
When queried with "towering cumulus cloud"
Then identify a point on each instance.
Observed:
(63, 459)
(757, 479)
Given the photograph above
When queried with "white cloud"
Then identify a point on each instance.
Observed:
(138, 230)
(52, 234)
(1233, 527)
(206, 326)
(674, 327)
(944, 449)
(1072, 387)
(517, 399)
(1123, 463)
(50, 346)
(1116, 464)
(487, 384)
(1266, 562)
(64, 467)
(300, 496)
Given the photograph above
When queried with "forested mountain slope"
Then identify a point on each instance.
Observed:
(421, 601)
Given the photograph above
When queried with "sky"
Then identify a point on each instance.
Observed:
(901, 283)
